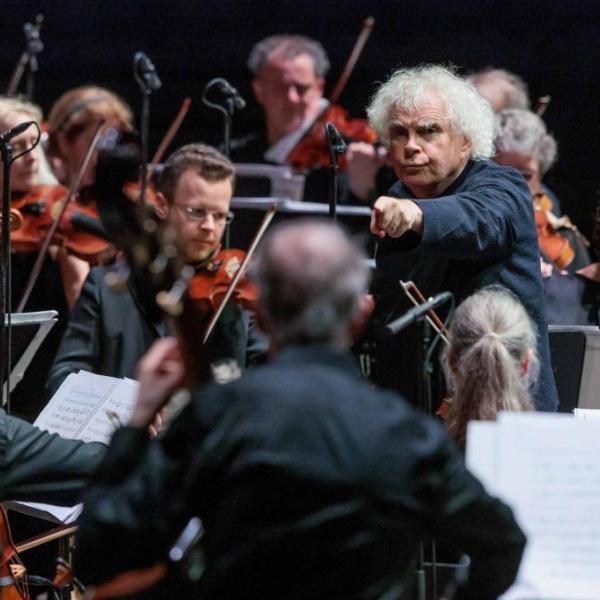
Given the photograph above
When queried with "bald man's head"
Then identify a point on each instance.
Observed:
(311, 277)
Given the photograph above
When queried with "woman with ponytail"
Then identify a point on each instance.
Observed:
(491, 360)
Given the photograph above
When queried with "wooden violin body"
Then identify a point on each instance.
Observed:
(555, 246)
(313, 148)
(208, 286)
(12, 573)
(79, 230)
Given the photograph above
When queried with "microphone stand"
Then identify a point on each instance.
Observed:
(148, 82)
(28, 59)
(231, 101)
(34, 46)
(426, 349)
(337, 147)
(6, 279)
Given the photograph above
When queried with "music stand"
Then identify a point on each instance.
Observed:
(575, 354)
(28, 331)
(268, 180)
(249, 213)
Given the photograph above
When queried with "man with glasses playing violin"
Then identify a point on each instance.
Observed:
(110, 330)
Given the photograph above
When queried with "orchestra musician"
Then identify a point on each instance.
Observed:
(109, 329)
(454, 220)
(310, 483)
(33, 185)
(72, 122)
(524, 143)
(506, 90)
(491, 360)
(39, 466)
(289, 81)
(501, 88)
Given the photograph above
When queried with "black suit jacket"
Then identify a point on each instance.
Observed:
(40, 466)
(109, 331)
(309, 483)
(480, 232)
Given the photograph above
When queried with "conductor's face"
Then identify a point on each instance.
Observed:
(427, 153)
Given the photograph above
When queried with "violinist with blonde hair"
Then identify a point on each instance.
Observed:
(491, 362)
(34, 189)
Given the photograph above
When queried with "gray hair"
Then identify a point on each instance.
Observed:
(289, 46)
(523, 132)
(469, 113)
(516, 94)
(491, 334)
(310, 276)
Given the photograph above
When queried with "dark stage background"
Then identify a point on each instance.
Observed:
(554, 45)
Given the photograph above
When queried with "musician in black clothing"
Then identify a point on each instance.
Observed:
(310, 483)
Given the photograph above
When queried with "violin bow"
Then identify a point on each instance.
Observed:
(171, 132)
(542, 105)
(359, 45)
(416, 297)
(240, 272)
(363, 36)
(74, 187)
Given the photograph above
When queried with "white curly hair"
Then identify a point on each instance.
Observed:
(469, 113)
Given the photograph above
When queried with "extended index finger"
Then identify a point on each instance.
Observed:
(375, 226)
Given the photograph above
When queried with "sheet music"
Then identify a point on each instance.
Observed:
(586, 413)
(547, 470)
(49, 512)
(80, 407)
(481, 452)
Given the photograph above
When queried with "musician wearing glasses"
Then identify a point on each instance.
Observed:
(109, 330)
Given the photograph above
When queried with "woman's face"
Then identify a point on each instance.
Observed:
(24, 171)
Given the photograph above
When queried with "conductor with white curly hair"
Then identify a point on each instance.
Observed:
(455, 220)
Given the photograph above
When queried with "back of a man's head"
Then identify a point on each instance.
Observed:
(310, 277)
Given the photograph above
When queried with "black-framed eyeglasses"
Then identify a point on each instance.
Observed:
(194, 213)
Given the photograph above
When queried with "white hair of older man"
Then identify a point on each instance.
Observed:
(408, 90)
(523, 132)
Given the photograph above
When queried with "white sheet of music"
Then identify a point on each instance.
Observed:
(546, 468)
(85, 405)
(49, 512)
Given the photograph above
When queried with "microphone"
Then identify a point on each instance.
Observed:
(418, 312)
(145, 71)
(231, 92)
(15, 131)
(335, 140)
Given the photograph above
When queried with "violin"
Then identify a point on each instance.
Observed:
(313, 149)
(15, 219)
(79, 229)
(208, 286)
(221, 280)
(13, 583)
(556, 247)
